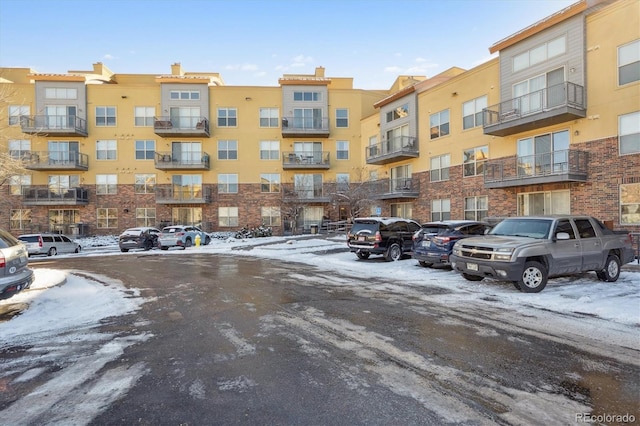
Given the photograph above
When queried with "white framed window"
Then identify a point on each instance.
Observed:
(399, 112)
(186, 187)
(441, 209)
(60, 93)
(439, 124)
(630, 203)
(541, 203)
(144, 184)
(342, 117)
(476, 208)
(107, 218)
(20, 219)
(269, 117)
(629, 133)
(307, 118)
(184, 95)
(474, 160)
(17, 183)
(61, 184)
(402, 210)
(144, 116)
(228, 217)
(269, 150)
(185, 117)
(342, 150)
(227, 149)
(270, 216)
(228, 183)
(629, 63)
(270, 182)
(440, 167)
(308, 186)
(145, 149)
(540, 92)
(106, 184)
(187, 215)
(60, 116)
(106, 150)
(540, 53)
(105, 116)
(307, 96)
(227, 117)
(472, 112)
(19, 148)
(146, 216)
(64, 151)
(543, 154)
(15, 111)
(342, 182)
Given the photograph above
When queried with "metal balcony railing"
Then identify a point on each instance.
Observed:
(305, 160)
(175, 194)
(62, 125)
(181, 126)
(183, 161)
(394, 149)
(395, 188)
(557, 166)
(55, 160)
(47, 196)
(299, 126)
(554, 104)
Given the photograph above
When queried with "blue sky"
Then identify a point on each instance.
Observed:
(253, 43)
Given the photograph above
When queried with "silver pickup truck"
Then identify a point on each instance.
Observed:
(529, 250)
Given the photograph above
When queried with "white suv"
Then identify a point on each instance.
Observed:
(49, 244)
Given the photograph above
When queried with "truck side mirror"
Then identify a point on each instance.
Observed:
(562, 236)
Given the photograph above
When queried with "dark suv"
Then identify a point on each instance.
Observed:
(388, 236)
(144, 237)
(433, 243)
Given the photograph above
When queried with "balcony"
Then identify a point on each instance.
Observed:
(392, 150)
(55, 160)
(305, 160)
(558, 166)
(307, 194)
(386, 189)
(299, 127)
(47, 197)
(54, 125)
(175, 194)
(553, 105)
(191, 161)
(181, 126)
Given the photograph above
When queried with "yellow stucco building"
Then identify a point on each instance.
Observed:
(551, 124)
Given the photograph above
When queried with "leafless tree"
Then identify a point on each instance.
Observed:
(357, 195)
(291, 205)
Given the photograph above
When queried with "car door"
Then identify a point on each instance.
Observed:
(67, 244)
(592, 256)
(566, 254)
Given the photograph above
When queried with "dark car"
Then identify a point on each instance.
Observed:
(15, 274)
(387, 236)
(433, 243)
(144, 237)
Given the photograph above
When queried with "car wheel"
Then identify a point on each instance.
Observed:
(611, 270)
(124, 250)
(164, 247)
(425, 264)
(533, 278)
(394, 252)
(364, 255)
(470, 277)
(148, 245)
(78, 249)
(187, 243)
(207, 240)
(52, 251)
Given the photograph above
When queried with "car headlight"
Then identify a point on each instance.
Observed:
(457, 251)
(503, 254)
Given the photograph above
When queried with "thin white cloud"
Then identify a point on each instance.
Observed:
(393, 68)
(108, 56)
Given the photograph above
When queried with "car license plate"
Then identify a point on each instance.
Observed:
(361, 238)
(472, 266)
(426, 244)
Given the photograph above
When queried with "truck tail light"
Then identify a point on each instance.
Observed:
(2, 261)
(378, 237)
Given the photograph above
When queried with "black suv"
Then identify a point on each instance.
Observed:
(388, 236)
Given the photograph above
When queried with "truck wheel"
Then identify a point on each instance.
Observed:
(611, 270)
(534, 277)
(394, 252)
(362, 254)
(470, 277)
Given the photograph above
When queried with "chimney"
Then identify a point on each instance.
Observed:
(176, 69)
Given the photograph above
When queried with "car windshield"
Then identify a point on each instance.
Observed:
(437, 228)
(7, 240)
(133, 231)
(29, 238)
(531, 228)
(364, 227)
